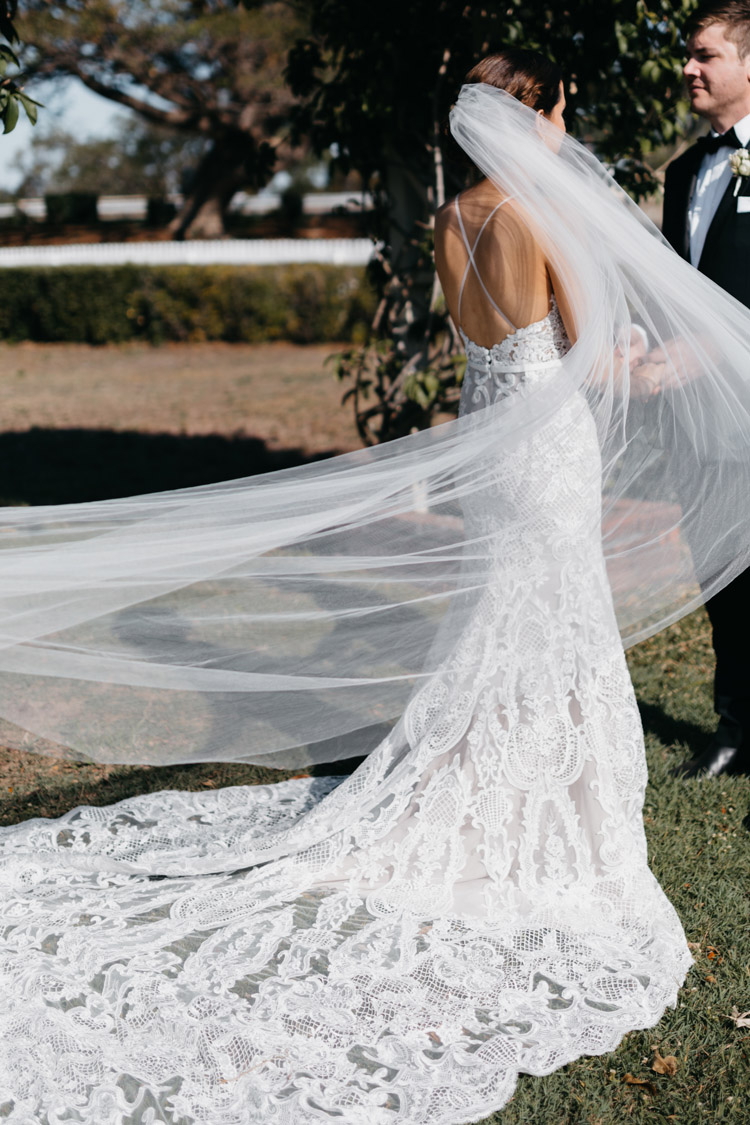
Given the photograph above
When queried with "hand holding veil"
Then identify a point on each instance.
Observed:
(284, 619)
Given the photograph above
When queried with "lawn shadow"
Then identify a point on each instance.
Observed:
(50, 466)
(671, 731)
(80, 783)
(43, 466)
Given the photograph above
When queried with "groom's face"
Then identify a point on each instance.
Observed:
(718, 80)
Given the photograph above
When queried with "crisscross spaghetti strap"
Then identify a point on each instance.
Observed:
(471, 250)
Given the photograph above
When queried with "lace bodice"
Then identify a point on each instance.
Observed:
(523, 357)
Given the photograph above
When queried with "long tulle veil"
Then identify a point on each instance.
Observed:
(475, 900)
(285, 619)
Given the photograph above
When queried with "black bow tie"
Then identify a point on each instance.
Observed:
(712, 142)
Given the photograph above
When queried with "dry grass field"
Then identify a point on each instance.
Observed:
(85, 423)
(80, 423)
(280, 393)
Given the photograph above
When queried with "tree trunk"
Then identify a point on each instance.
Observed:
(410, 366)
(222, 171)
(408, 195)
(410, 216)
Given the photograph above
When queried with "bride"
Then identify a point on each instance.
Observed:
(475, 900)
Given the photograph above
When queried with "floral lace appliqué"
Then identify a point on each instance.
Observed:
(521, 358)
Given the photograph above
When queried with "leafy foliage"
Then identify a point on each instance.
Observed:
(71, 207)
(101, 305)
(378, 80)
(12, 97)
(210, 70)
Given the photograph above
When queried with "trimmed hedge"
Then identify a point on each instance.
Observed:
(71, 207)
(239, 304)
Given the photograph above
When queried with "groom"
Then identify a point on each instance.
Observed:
(707, 221)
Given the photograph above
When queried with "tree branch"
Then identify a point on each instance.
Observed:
(178, 118)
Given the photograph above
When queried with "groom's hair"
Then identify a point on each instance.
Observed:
(733, 14)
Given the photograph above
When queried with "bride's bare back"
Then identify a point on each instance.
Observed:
(509, 283)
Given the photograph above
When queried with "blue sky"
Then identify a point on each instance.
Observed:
(68, 105)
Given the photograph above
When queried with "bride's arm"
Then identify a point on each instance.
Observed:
(449, 250)
(564, 304)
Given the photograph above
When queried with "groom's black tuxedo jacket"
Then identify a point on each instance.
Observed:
(726, 260)
(726, 253)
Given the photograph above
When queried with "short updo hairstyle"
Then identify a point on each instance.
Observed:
(529, 76)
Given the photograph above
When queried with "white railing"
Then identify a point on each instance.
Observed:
(243, 203)
(316, 203)
(240, 252)
(32, 208)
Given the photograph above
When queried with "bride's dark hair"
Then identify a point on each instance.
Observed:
(527, 75)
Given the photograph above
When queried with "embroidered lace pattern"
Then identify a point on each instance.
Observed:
(473, 902)
(521, 358)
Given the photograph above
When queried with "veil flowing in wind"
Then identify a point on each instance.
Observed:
(284, 618)
(475, 900)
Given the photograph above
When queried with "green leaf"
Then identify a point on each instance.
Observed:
(30, 106)
(11, 115)
(8, 56)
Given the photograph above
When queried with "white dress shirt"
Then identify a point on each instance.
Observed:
(713, 179)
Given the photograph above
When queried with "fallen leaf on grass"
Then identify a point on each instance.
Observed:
(666, 1064)
(738, 1018)
(695, 946)
(631, 1080)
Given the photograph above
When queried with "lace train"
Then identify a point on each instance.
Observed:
(473, 902)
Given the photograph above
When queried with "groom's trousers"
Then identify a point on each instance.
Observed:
(728, 611)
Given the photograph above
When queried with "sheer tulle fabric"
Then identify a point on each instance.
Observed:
(475, 900)
(283, 619)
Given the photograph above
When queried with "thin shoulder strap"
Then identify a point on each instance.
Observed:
(471, 250)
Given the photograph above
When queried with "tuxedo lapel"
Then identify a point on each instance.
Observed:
(688, 196)
(685, 189)
(724, 212)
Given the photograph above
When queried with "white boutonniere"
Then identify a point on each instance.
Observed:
(739, 162)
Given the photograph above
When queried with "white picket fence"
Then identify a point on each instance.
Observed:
(242, 203)
(237, 252)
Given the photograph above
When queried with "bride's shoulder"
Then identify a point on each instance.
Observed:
(476, 205)
(446, 218)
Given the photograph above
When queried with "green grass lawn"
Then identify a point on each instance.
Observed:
(699, 850)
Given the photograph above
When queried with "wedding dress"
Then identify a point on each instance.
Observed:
(475, 900)
(441, 920)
